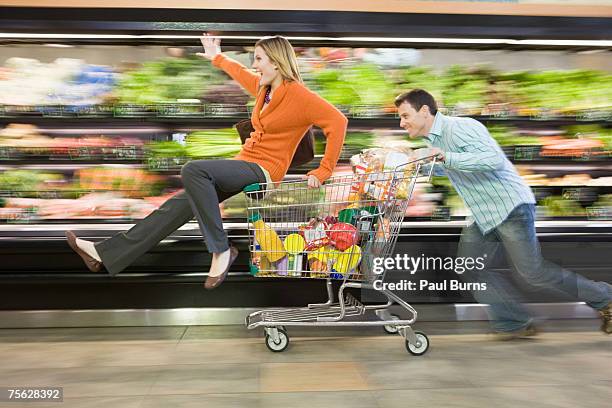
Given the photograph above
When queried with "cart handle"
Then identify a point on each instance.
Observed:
(251, 188)
(422, 159)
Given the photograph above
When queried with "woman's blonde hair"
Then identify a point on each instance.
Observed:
(281, 53)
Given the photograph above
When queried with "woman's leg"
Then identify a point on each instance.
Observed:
(227, 178)
(124, 248)
(207, 182)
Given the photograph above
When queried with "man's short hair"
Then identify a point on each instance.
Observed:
(417, 98)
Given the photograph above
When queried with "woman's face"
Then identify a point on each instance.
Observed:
(263, 65)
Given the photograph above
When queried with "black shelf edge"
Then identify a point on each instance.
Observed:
(143, 21)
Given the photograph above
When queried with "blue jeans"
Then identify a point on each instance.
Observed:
(517, 235)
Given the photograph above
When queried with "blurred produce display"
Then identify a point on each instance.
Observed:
(68, 82)
(24, 141)
(352, 87)
(167, 81)
(361, 82)
(548, 122)
(218, 143)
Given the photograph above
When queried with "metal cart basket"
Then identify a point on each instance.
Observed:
(334, 233)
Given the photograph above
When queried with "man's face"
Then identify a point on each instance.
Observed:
(414, 122)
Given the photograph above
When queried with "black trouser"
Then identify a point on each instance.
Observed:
(207, 183)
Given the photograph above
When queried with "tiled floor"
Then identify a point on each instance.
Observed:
(568, 365)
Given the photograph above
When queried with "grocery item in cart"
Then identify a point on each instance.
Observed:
(346, 262)
(281, 266)
(343, 235)
(315, 233)
(372, 170)
(318, 262)
(295, 245)
(270, 243)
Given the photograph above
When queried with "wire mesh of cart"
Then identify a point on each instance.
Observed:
(333, 233)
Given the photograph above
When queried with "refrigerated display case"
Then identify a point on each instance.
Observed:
(94, 130)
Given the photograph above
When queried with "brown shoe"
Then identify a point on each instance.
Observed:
(92, 264)
(214, 281)
(529, 331)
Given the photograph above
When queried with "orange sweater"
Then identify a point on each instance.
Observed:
(281, 126)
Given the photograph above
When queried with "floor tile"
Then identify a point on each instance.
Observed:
(499, 397)
(329, 399)
(96, 334)
(87, 402)
(86, 354)
(321, 376)
(86, 381)
(207, 379)
(251, 400)
(415, 372)
(229, 350)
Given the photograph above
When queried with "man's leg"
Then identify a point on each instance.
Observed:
(506, 312)
(521, 243)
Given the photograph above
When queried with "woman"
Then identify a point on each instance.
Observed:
(284, 110)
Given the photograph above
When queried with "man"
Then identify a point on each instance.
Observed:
(503, 211)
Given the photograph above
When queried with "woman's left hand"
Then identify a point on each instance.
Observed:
(313, 182)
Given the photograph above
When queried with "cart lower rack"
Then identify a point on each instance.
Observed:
(333, 233)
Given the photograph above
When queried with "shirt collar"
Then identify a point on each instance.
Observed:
(436, 128)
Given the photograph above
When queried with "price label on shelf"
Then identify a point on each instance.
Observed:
(49, 194)
(180, 110)
(571, 194)
(56, 111)
(93, 111)
(165, 163)
(168, 110)
(526, 152)
(82, 153)
(224, 110)
(441, 213)
(5, 153)
(126, 152)
(130, 110)
(599, 213)
(585, 155)
(594, 114)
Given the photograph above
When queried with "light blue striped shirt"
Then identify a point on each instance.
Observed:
(479, 170)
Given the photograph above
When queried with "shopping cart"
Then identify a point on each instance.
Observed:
(334, 233)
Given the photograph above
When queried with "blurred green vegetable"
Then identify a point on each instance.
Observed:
(557, 206)
(166, 80)
(213, 143)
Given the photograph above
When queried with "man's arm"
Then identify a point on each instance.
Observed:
(478, 150)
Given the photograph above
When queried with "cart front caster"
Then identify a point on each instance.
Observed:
(420, 347)
(392, 329)
(280, 343)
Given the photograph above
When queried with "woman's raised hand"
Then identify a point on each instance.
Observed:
(212, 46)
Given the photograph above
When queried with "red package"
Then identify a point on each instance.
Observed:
(343, 235)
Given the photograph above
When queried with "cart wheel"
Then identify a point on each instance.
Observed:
(390, 328)
(281, 345)
(421, 348)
